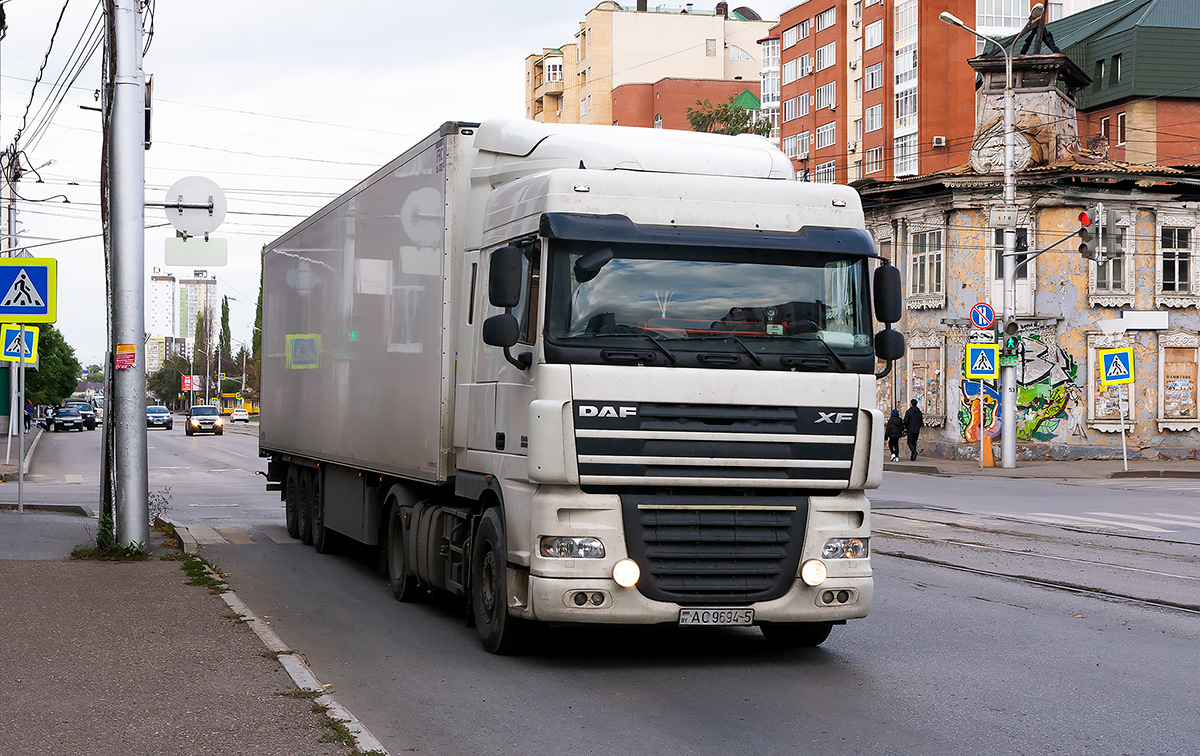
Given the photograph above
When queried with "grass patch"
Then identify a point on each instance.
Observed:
(107, 549)
(203, 574)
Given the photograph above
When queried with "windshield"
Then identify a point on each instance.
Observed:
(157, 410)
(685, 298)
(204, 410)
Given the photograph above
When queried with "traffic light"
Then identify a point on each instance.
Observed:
(1087, 241)
(1010, 341)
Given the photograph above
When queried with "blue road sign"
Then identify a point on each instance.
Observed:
(28, 290)
(983, 361)
(982, 315)
(10, 339)
(1116, 366)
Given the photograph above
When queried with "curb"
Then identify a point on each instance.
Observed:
(302, 676)
(922, 469)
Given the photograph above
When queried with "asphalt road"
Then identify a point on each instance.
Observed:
(1077, 654)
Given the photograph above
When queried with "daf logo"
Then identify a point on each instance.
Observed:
(606, 410)
(833, 417)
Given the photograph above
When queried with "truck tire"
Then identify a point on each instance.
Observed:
(500, 632)
(797, 634)
(304, 511)
(404, 584)
(323, 538)
(291, 501)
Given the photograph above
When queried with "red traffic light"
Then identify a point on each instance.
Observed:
(1084, 218)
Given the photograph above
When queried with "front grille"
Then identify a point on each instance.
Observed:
(714, 445)
(714, 549)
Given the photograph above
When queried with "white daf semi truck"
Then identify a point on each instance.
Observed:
(586, 374)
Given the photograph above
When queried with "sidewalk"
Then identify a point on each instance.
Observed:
(1072, 468)
(128, 657)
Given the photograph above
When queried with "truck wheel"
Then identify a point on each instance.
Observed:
(499, 632)
(323, 538)
(291, 501)
(304, 511)
(797, 634)
(404, 585)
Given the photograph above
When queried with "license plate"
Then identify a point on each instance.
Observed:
(716, 616)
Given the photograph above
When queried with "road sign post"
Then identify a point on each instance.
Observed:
(1116, 369)
(983, 361)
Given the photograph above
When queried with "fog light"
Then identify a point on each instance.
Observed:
(597, 598)
(580, 599)
(565, 547)
(626, 573)
(813, 572)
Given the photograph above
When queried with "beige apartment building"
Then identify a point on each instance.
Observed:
(615, 71)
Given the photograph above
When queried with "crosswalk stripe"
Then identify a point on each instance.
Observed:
(278, 534)
(1071, 519)
(236, 536)
(1158, 520)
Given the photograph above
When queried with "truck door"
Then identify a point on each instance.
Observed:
(514, 387)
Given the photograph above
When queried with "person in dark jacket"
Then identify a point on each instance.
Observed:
(894, 432)
(913, 420)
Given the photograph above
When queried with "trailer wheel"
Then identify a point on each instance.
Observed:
(499, 632)
(404, 585)
(304, 511)
(323, 539)
(797, 634)
(291, 501)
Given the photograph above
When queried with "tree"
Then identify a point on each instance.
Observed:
(166, 383)
(58, 370)
(95, 374)
(726, 118)
(225, 345)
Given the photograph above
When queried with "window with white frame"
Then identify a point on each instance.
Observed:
(826, 56)
(806, 65)
(789, 146)
(1121, 128)
(1175, 253)
(554, 69)
(1105, 404)
(874, 160)
(906, 64)
(1104, 128)
(790, 109)
(1021, 267)
(770, 88)
(788, 72)
(1003, 13)
(802, 140)
(906, 21)
(1178, 353)
(658, 120)
(926, 371)
(873, 77)
(826, 173)
(873, 35)
(1110, 275)
(856, 170)
(858, 129)
(925, 263)
(790, 36)
(858, 91)
(770, 53)
(825, 19)
(827, 95)
(585, 104)
(803, 27)
(873, 118)
(906, 108)
(826, 134)
(737, 53)
(904, 155)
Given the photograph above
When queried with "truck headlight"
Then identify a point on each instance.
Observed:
(567, 547)
(845, 548)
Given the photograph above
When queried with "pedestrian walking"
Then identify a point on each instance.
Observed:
(895, 431)
(913, 420)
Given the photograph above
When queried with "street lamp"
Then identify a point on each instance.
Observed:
(1008, 373)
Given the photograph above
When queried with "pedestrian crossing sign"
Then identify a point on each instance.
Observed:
(1116, 366)
(10, 336)
(983, 361)
(28, 290)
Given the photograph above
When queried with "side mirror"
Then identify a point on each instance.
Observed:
(501, 330)
(504, 277)
(889, 297)
(889, 345)
(590, 264)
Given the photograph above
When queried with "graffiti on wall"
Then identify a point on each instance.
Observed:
(1049, 397)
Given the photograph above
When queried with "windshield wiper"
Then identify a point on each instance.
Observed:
(654, 340)
(837, 357)
(757, 360)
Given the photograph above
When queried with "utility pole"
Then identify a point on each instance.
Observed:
(126, 136)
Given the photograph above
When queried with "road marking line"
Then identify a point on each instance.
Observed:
(225, 469)
(1142, 519)
(205, 535)
(1185, 518)
(72, 478)
(236, 536)
(278, 534)
(1071, 519)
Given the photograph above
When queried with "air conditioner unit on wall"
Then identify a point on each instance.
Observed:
(802, 156)
(939, 141)
(852, 146)
(853, 64)
(854, 23)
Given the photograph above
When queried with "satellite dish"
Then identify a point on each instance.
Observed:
(195, 206)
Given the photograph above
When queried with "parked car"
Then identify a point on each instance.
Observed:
(65, 419)
(86, 411)
(239, 415)
(158, 416)
(204, 418)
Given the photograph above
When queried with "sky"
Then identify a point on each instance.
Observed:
(284, 104)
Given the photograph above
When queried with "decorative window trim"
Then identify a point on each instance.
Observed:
(1175, 298)
(929, 340)
(1175, 338)
(1124, 297)
(1096, 341)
